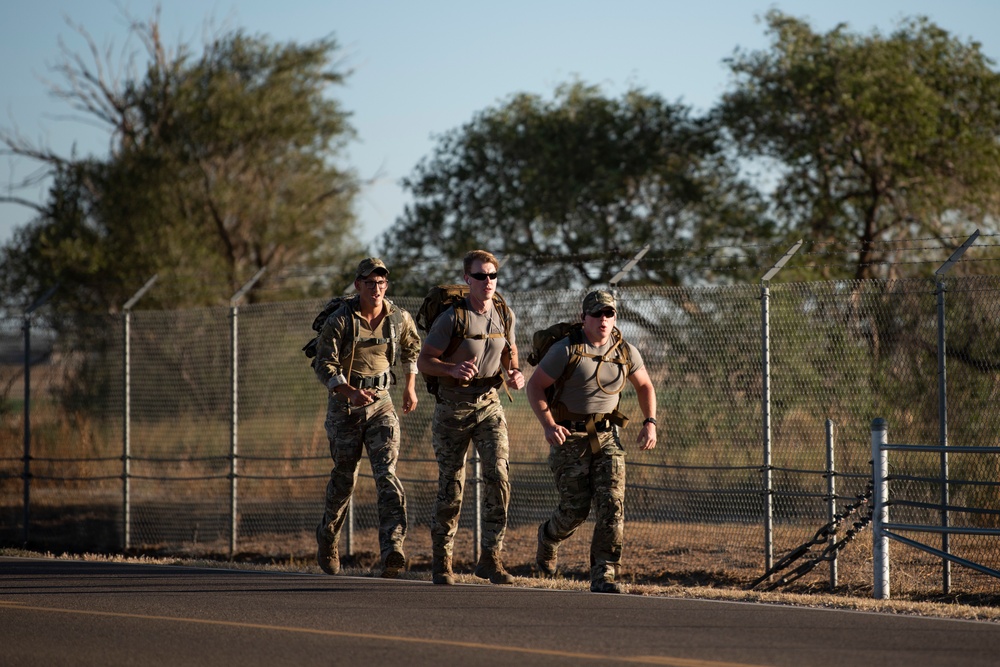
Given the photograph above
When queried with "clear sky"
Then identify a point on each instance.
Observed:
(424, 67)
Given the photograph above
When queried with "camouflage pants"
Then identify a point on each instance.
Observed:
(584, 478)
(485, 426)
(375, 428)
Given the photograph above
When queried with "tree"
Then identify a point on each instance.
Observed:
(570, 189)
(877, 139)
(219, 166)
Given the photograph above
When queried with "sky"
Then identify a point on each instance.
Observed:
(423, 68)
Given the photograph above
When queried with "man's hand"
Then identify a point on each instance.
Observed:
(647, 436)
(464, 371)
(515, 379)
(361, 397)
(409, 400)
(556, 434)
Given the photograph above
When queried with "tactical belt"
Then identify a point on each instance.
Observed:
(590, 424)
(602, 426)
(372, 382)
(465, 402)
(492, 381)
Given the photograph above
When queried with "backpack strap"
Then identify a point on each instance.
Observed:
(460, 332)
(618, 354)
(395, 318)
(622, 357)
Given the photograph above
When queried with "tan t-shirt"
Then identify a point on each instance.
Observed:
(486, 351)
(581, 393)
(333, 351)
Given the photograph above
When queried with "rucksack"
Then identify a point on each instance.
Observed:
(395, 317)
(543, 339)
(441, 297)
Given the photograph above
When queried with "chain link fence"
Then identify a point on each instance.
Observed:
(193, 447)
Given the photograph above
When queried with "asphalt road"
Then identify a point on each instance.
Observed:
(58, 612)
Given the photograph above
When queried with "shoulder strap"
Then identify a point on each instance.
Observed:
(505, 313)
(575, 347)
(618, 354)
(395, 318)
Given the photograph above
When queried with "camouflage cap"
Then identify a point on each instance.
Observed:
(597, 301)
(368, 265)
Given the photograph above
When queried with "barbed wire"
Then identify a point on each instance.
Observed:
(712, 259)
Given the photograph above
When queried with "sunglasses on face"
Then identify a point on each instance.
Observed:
(607, 312)
(376, 284)
(484, 276)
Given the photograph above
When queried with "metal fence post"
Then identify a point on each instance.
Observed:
(477, 502)
(943, 434)
(880, 510)
(234, 416)
(765, 324)
(765, 336)
(127, 416)
(25, 531)
(943, 405)
(831, 492)
(234, 327)
(349, 527)
(26, 327)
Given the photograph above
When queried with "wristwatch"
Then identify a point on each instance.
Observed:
(649, 420)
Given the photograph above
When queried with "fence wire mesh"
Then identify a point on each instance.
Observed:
(201, 442)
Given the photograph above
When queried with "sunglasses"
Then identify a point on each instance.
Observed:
(484, 276)
(376, 284)
(607, 312)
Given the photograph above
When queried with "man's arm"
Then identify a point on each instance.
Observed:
(509, 364)
(409, 342)
(327, 364)
(535, 390)
(410, 393)
(647, 403)
(429, 362)
(328, 368)
(509, 360)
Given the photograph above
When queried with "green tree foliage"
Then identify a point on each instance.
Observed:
(569, 189)
(876, 139)
(219, 165)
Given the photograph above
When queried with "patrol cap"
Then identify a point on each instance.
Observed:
(597, 301)
(368, 265)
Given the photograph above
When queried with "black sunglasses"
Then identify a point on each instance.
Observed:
(484, 276)
(607, 312)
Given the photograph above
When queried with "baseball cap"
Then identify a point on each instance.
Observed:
(368, 265)
(597, 301)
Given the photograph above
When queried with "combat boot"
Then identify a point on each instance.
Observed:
(395, 562)
(491, 568)
(327, 553)
(441, 570)
(547, 556)
(604, 587)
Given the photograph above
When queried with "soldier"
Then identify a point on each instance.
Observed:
(470, 361)
(356, 350)
(574, 393)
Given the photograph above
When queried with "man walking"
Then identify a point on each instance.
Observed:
(356, 350)
(470, 349)
(574, 392)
